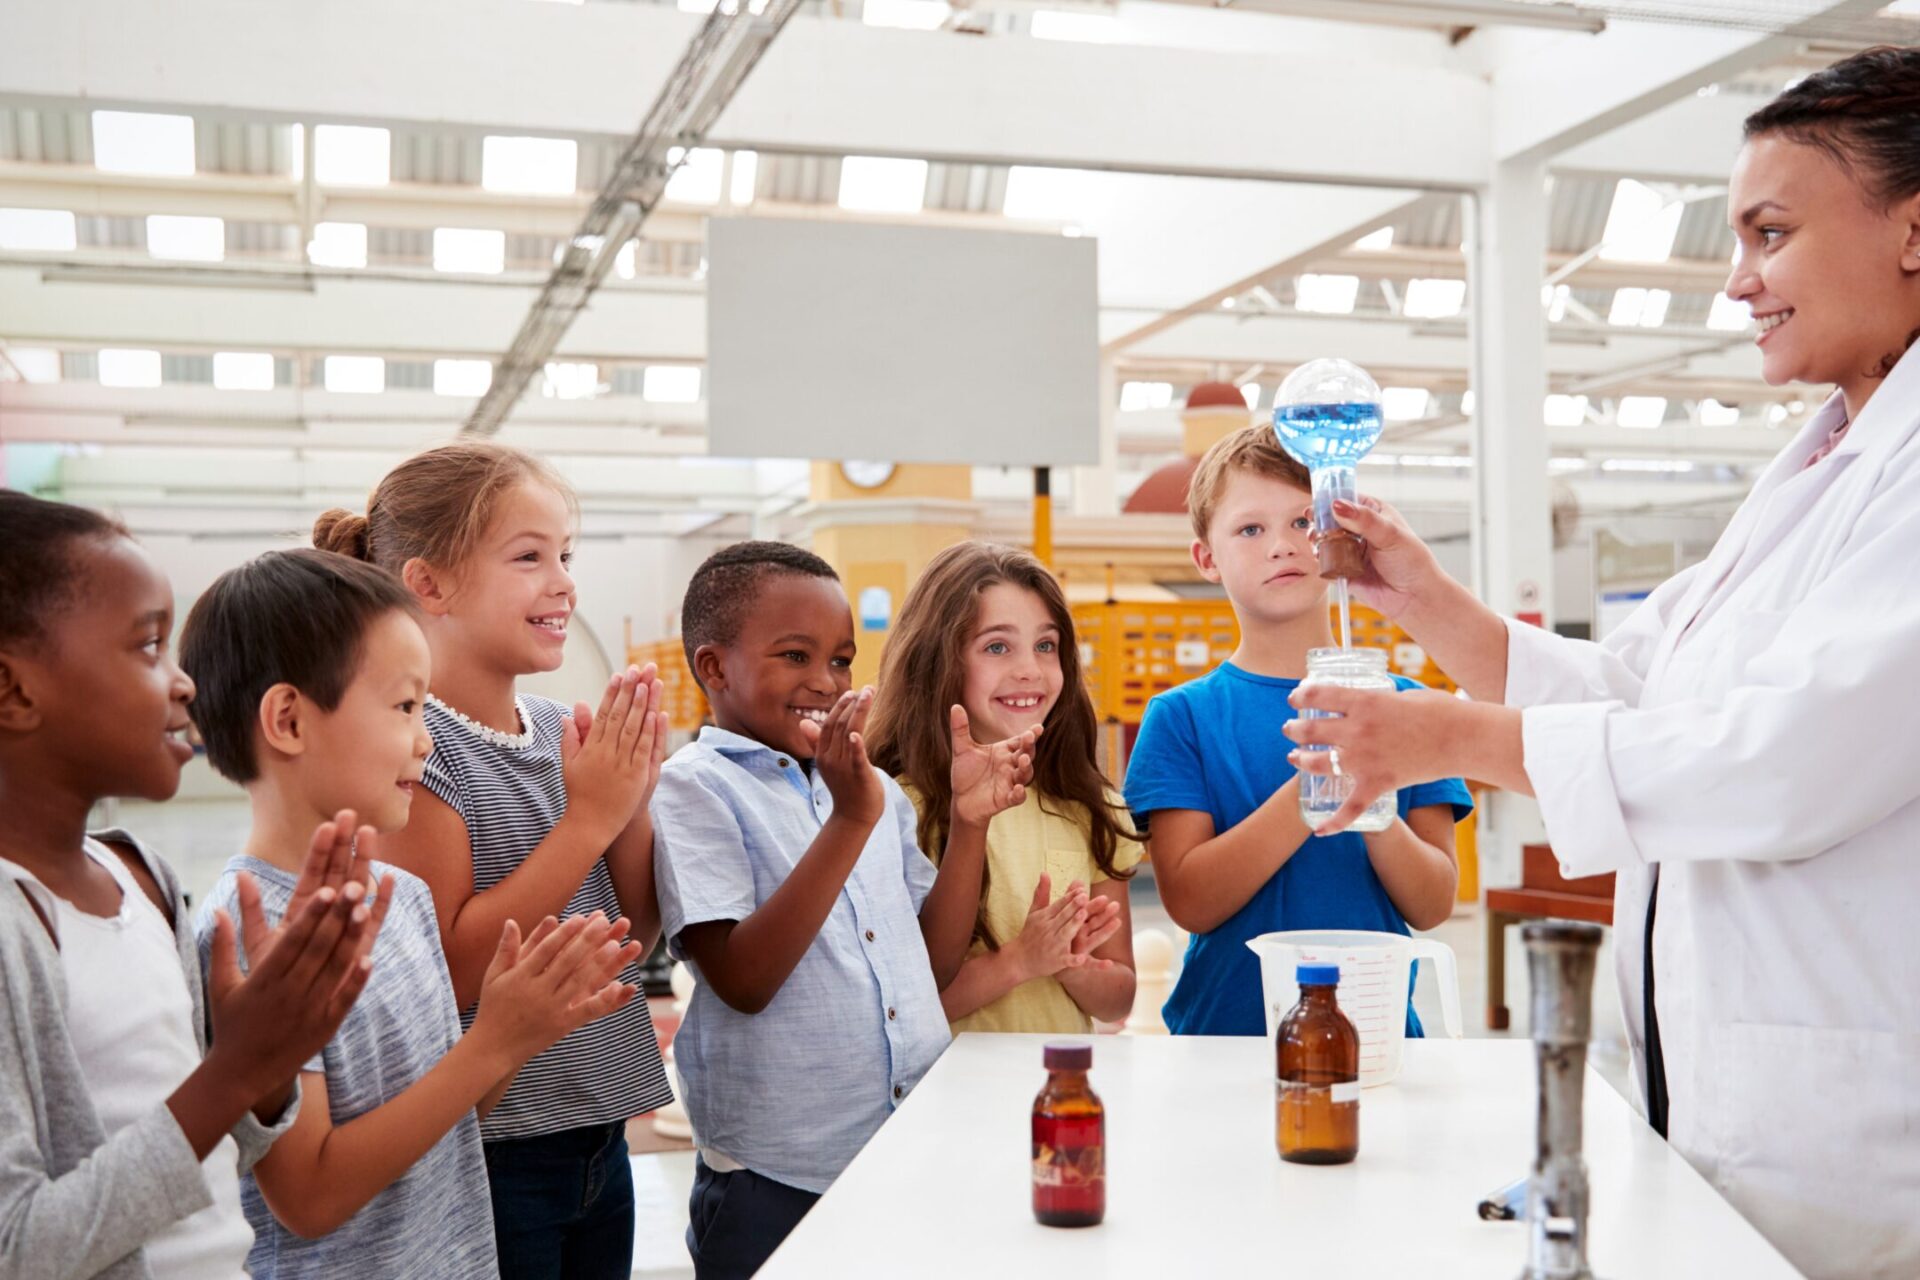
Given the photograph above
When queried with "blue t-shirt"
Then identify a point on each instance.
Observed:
(1214, 745)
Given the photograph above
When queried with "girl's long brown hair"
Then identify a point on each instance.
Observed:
(924, 673)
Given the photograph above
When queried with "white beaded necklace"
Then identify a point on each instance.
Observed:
(487, 733)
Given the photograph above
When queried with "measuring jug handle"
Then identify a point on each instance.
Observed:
(1446, 977)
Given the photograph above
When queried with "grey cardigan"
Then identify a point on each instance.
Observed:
(73, 1201)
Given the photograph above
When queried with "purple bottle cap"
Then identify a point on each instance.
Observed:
(1069, 1057)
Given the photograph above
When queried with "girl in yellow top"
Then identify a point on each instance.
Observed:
(988, 628)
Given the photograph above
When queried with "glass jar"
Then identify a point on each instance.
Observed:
(1317, 1074)
(1069, 1142)
(1322, 795)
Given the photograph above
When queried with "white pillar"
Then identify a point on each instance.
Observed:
(1512, 530)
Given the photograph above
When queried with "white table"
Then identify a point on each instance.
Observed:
(1195, 1187)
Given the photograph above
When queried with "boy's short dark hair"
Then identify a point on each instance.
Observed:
(287, 617)
(39, 573)
(1251, 449)
(725, 585)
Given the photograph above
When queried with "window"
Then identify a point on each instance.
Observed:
(571, 381)
(1433, 299)
(1326, 295)
(35, 364)
(44, 229)
(875, 185)
(360, 375)
(1251, 394)
(1715, 414)
(142, 142)
(697, 180)
(746, 170)
(1643, 412)
(1087, 28)
(347, 155)
(1403, 404)
(338, 244)
(1641, 225)
(1145, 395)
(1728, 315)
(530, 166)
(916, 15)
(1554, 298)
(462, 377)
(1374, 241)
(1565, 411)
(129, 368)
(1646, 308)
(243, 370)
(187, 239)
(469, 251)
(672, 384)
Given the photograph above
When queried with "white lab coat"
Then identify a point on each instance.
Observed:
(1754, 730)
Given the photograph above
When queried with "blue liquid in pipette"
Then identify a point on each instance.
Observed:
(1328, 439)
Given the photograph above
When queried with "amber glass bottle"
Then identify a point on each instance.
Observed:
(1069, 1142)
(1318, 1080)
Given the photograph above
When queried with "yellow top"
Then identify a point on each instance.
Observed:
(1021, 843)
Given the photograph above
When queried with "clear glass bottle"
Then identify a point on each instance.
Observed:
(1069, 1142)
(1327, 415)
(1322, 795)
(1317, 1074)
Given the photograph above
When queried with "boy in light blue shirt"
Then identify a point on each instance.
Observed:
(790, 879)
(1209, 780)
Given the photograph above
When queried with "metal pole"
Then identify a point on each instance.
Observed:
(1560, 960)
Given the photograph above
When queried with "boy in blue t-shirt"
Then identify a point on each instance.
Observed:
(1209, 779)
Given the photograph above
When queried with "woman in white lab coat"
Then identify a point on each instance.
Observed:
(1745, 751)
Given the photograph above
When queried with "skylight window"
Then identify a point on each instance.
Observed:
(120, 367)
(338, 244)
(746, 170)
(35, 364)
(1715, 414)
(913, 15)
(243, 370)
(1086, 28)
(1404, 404)
(530, 166)
(566, 381)
(1641, 225)
(1645, 308)
(349, 155)
(1675, 466)
(469, 250)
(1729, 316)
(462, 377)
(1554, 298)
(1326, 295)
(50, 230)
(358, 375)
(872, 184)
(1374, 241)
(1145, 395)
(1428, 299)
(1643, 412)
(186, 239)
(1564, 411)
(671, 383)
(698, 180)
(143, 142)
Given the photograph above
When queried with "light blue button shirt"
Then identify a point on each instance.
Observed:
(794, 1091)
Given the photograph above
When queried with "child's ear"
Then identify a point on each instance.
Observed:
(1203, 560)
(428, 585)
(708, 669)
(18, 713)
(281, 726)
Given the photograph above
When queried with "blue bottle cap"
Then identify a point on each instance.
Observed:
(1317, 975)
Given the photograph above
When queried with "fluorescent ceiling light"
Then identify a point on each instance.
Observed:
(872, 184)
(52, 230)
(1086, 28)
(1376, 240)
(671, 383)
(1641, 225)
(36, 364)
(1404, 404)
(187, 239)
(360, 375)
(568, 381)
(1643, 412)
(1729, 316)
(914, 15)
(351, 155)
(1561, 466)
(1434, 299)
(338, 244)
(1040, 194)
(143, 142)
(1326, 295)
(1145, 395)
(697, 181)
(243, 370)
(746, 170)
(462, 377)
(530, 166)
(120, 367)
(1715, 414)
(1564, 411)
(469, 250)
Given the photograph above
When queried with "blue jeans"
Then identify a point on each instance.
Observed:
(736, 1220)
(563, 1205)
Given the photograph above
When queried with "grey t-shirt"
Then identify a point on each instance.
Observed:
(438, 1216)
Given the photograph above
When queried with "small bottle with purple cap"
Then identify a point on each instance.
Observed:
(1317, 1052)
(1069, 1142)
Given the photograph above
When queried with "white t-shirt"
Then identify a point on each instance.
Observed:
(130, 1017)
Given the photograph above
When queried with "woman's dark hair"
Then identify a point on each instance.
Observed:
(287, 617)
(40, 574)
(1864, 111)
(923, 673)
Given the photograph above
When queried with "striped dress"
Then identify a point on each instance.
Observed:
(510, 795)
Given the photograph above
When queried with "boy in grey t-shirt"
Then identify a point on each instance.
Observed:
(311, 672)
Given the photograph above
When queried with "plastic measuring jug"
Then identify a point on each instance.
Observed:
(1374, 973)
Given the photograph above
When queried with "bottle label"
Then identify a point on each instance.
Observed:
(1349, 1091)
(1068, 1167)
(1342, 1091)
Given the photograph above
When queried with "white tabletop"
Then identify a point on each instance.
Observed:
(1195, 1186)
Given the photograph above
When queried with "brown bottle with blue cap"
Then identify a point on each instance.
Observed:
(1317, 1052)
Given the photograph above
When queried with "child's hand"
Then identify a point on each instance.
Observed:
(337, 856)
(301, 981)
(611, 758)
(1045, 944)
(1102, 922)
(990, 778)
(841, 756)
(556, 981)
